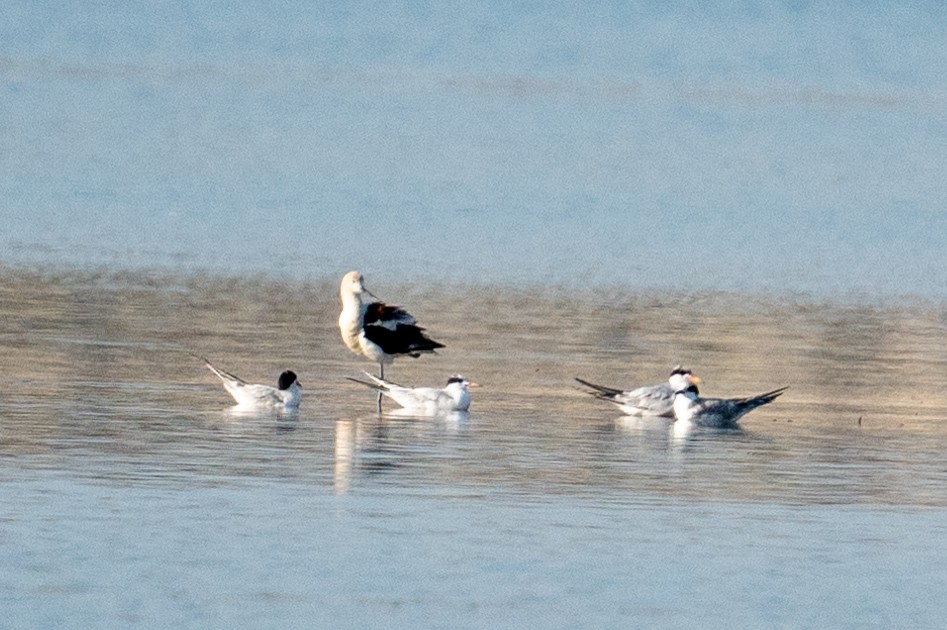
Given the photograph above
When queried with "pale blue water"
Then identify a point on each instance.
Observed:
(417, 557)
(772, 149)
(133, 497)
(778, 147)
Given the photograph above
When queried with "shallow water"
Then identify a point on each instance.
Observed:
(754, 190)
(133, 495)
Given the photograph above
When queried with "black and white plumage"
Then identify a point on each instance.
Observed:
(721, 413)
(650, 400)
(376, 330)
(427, 401)
(285, 395)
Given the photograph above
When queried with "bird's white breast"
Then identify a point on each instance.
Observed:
(683, 408)
(350, 325)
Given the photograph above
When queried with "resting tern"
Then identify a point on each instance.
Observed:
(650, 400)
(455, 396)
(690, 408)
(285, 395)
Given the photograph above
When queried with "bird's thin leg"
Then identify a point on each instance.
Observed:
(381, 369)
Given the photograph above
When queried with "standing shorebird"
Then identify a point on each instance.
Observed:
(721, 413)
(650, 400)
(376, 330)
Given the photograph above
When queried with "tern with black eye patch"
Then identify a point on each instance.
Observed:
(427, 401)
(649, 400)
(721, 413)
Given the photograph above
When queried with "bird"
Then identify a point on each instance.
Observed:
(721, 413)
(428, 401)
(377, 330)
(286, 395)
(650, 400)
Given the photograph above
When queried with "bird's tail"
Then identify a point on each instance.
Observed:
(374, 382)
(221, 374)
(606, 393)
(759, 400)
(367, 384)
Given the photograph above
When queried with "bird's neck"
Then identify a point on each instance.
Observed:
(351, 301)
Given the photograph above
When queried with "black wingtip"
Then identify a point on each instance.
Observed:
(426, 345)
(602, 392)
(365, 383)
(765, 398)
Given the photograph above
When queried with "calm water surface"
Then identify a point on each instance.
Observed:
(759, 147)
(755, 190)
(134, 496)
